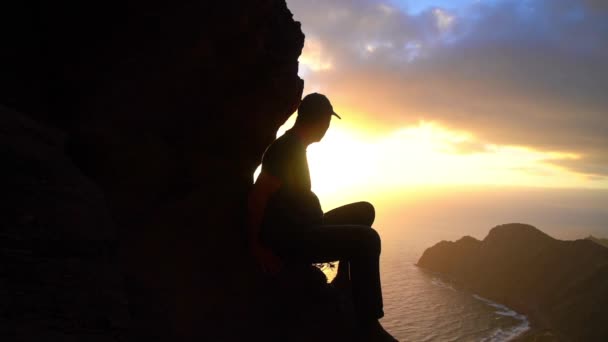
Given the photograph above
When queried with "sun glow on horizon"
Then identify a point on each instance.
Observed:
(352, 162)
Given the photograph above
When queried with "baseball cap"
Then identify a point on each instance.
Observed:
(316, 103)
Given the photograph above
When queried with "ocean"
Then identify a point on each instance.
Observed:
(422, 306)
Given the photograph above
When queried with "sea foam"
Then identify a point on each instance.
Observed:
(505, 335)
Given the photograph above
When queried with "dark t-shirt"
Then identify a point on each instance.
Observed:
(294, 205)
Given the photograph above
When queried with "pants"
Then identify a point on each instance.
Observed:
(345, 235)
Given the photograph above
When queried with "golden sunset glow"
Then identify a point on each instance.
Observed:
(352, 162)
(459, 116)
(313, 58)
(433, 96)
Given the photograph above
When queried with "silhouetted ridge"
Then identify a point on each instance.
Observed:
(561, 285)
(465, 249)
(468, 240)
(599, 241)
(516, 232)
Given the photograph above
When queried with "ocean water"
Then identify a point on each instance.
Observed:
(420, 305)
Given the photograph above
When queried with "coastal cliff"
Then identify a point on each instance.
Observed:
(560, 285)
(130, 132)
(599, 241)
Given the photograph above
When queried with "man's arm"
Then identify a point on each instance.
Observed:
(265, 186)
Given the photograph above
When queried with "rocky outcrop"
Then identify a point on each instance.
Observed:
(559, 284)
(157, 113)
(59, 276)
(302, 307)
(599, 241)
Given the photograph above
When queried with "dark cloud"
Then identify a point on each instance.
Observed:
(597, 4)
(530, 73)
(595, 165)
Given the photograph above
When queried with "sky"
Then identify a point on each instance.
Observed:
(459, 92)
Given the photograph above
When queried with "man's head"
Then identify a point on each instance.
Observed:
(314, 114)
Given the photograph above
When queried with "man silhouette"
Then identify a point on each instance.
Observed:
(286, 222)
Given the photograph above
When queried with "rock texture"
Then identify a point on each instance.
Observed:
(59, 277)
(561, 285)
(599, 241)
(133, 134)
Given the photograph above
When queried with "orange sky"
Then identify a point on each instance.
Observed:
(431, 99)
(355, 162)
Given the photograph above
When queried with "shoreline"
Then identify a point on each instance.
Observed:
(535, 331)
(515, 332)
(531, 331)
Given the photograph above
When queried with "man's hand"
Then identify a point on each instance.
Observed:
(268, 261)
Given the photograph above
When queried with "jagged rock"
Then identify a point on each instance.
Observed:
(560, 285)
(301, 306)
(599, 241)
(167, 107)
(59, 278)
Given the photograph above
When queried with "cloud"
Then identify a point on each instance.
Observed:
(467, 147)
(312, 56)
(597, 4)
(443, 20)
(595, 165)
(530, 73)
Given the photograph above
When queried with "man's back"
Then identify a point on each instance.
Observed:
(294, 205)
(285, 159)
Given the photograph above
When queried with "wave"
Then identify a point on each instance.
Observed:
(442, 284)
(505, 335)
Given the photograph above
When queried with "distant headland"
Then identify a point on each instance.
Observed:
(600, 241)
(560, 285)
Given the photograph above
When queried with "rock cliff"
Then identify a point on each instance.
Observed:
(559, 284)
(131, 131)
(599, 241)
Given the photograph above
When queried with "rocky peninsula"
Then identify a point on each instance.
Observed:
(560, 285)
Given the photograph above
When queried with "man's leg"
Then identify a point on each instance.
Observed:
(359, 213)
(358, 244)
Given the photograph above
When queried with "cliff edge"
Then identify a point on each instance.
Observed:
(129, 135)
(560, 285)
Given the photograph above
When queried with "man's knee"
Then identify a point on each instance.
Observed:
(368, 212)
(372, 241)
